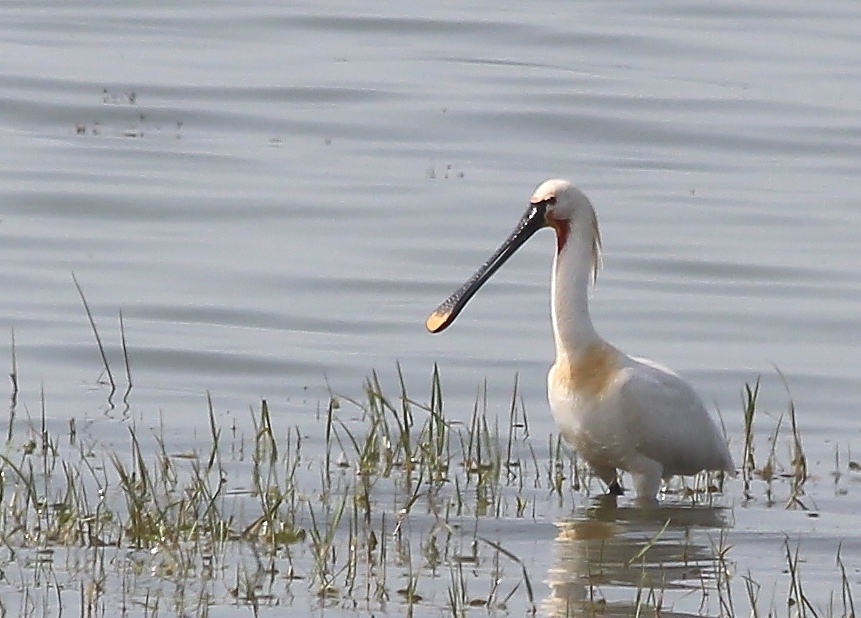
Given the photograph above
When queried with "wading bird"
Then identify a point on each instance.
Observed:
(618, 412)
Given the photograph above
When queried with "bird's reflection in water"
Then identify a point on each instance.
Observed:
(622, 561)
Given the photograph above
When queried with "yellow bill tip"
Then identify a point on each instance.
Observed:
(437, 321)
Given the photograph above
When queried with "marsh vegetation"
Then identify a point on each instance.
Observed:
(392, 504)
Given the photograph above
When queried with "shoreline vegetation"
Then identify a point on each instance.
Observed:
(388, 506)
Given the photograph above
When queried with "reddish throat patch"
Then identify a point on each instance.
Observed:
(562, 228)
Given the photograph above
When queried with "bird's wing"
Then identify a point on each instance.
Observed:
(669, 422)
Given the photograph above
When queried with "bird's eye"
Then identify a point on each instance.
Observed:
(552, 200)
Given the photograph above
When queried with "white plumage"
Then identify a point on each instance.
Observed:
(616, 411)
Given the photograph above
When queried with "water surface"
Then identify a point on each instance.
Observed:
(276, 196)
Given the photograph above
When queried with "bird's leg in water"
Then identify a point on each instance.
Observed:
(611, 479)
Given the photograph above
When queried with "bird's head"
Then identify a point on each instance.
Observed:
(566, 209)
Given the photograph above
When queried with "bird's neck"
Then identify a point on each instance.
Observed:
(572, 274)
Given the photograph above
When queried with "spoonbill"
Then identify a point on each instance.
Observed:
(617, 411)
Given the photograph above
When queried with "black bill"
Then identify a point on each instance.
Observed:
(532, 221)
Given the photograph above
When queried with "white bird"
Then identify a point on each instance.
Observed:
(618, 412)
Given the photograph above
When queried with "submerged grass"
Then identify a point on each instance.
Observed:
(395, 508)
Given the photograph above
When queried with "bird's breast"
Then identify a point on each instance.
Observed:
(588, 374)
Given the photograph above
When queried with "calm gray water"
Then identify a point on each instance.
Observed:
(276, 196)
